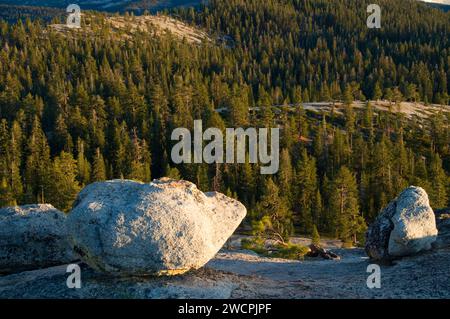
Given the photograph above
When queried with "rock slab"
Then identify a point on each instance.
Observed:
(405, 227)
(166, 227)
(32, 237)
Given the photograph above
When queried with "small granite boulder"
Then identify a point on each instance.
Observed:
(443, 226)
(32, 237)
(405, 227)
(166, 227)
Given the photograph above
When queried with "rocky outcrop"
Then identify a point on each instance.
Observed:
(32, 237)
(240, 274)
(50, 283)
(205, 283)
(165, 227)
(405, 227)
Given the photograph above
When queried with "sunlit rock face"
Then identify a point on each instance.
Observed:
(405, 227)
(165, 227)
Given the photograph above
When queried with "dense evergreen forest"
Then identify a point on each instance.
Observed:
(79, 109)
(12, 13)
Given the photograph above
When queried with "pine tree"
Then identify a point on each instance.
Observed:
(239, 106)
(348, 95)
(62, 140)
(37, 170)
(201, 178)
(350, 121)
(420, 177)
(389, 95)
(98, 168)
(160, 116)
(10, 179)
(182, 105)
(412, 93)
(398, 97)
(15, 161)
(274, 206)
(401, 170)
(315, 237)
(289, 135)
(6, 195)
(301, 121)
(84, 168)
(64, 186)
(368, 118)
(4, 147)
(285, 174)
(172, 172)
(305, 192)
(246, 183)
(382, 171)
(377, 93)
(344, 204)
(438, 190)
(140, 165)
(339, 151)
(318, 214)
(265, 105)
(320, 145)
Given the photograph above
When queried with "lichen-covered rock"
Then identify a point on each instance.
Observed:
(165, 227)
(405, 227)
(32, 237)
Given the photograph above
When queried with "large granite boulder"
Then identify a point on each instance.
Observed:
(166, 227)
(405, 227)
(32, 237)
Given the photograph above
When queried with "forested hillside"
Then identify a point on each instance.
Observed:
(12, 13)
(106, 5)
(78, 109)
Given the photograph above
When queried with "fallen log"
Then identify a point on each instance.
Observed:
(317, 251)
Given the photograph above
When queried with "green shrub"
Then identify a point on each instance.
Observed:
(254, 244)
(289, 251)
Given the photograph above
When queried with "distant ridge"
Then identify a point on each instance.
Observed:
(107, 5)
(442, 6)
